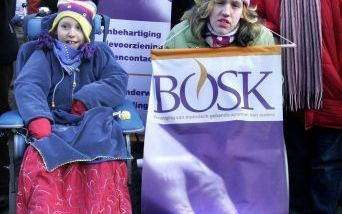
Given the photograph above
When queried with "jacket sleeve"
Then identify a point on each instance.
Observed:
(32, 86)
(176, 38)
(110, 88)
(264, 38)
(170, 41)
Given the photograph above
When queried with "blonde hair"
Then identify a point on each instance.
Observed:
(249, 24)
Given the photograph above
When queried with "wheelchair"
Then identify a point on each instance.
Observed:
(11, 122)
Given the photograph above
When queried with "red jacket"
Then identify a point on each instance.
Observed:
(331, 12)
(331, 113)
(269, 12)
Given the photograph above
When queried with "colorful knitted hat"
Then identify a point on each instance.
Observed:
(83, 11)
(200, 1)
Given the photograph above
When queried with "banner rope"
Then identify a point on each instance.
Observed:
(160, 47)
(289, 45)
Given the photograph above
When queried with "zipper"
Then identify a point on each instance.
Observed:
(74, 83)
(53, 102)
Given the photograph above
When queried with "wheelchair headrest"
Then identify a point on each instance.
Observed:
(35, 24)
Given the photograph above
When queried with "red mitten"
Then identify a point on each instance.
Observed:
(78, 107)
(40, 127)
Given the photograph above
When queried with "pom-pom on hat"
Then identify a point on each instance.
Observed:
(200, 1)
(83, 11)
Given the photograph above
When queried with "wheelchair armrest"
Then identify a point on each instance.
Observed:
(11, 119)
(131, 124)
(134, 124)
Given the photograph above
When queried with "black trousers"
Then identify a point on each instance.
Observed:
(6, 73)
(315, 167)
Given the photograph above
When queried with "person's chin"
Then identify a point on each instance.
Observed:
(221, 31)
(76, 46)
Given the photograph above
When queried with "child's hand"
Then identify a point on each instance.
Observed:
(78, 107)
(40, 128)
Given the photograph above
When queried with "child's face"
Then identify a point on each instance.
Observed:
(226, 15)
(70, 32)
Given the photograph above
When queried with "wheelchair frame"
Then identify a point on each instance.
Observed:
(12, 122)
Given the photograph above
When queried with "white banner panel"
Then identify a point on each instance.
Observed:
(224, 88)
(136, 27)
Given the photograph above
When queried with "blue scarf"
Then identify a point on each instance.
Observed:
(69, 57)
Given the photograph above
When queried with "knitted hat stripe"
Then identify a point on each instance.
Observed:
(86, 4)
(87, 14)
(200, 1)
(89, 5)
(64, 6)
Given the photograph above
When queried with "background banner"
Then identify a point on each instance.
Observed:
(136, 27)
(214, 136)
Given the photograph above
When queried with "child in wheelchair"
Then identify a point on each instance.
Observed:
(65, 93)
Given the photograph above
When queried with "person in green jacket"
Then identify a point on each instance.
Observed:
(219, 23)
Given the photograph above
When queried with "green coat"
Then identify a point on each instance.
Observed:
(182, 37)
